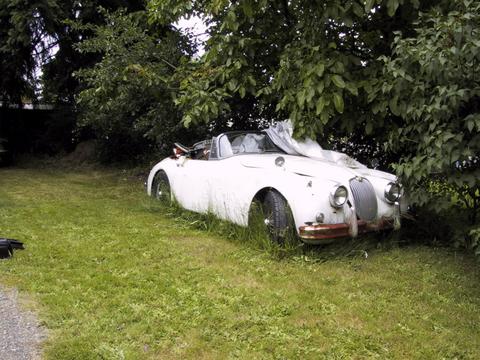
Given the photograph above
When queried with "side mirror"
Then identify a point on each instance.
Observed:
(177, 152)
(180, 150)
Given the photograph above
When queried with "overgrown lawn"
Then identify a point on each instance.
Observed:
(113, 277)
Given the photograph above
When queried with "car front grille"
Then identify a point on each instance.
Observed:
(364, 198)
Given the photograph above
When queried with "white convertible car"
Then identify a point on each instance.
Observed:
(323, 194)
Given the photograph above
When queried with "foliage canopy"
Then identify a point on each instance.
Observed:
(314, 61)
(128, 95)
(35, 39)
(432, 83)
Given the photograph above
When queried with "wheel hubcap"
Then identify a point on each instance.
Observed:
(160, 193)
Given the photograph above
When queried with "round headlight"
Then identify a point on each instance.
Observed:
(338, 196)
(393, 192)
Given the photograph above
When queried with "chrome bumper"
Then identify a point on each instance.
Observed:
(351, 228)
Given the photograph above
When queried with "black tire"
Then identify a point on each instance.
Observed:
(277, 217)
(161, 188)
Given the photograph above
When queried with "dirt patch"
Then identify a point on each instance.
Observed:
(84, 152)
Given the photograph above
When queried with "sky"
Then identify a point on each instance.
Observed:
(195, 25)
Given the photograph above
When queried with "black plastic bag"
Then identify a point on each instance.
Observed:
(7, 246)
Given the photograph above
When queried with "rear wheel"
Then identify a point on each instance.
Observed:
(277, 217)
(161, 187)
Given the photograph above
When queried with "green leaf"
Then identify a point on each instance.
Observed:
(247, 9)
(392, 6)
(470, 125)
(368, 128)
(324, 117)
(338, 81)
(357, 9)
(301, 98)
(187, 119)
(320, 87)
(369, 5)
(310, 94)
(338, 102)
(320, 105)
(393, 104)
(241, 91)
(320, 68)
(352, 88)
(408, 171)
(232, 84)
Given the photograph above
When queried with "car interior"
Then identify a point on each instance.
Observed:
(229, 144)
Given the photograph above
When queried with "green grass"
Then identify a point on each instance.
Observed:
(113, 277)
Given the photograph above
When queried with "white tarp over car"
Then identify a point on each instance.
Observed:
(282, 136)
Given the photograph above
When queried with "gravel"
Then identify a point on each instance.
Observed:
(20, 332)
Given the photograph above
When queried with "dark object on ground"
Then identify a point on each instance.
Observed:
(7, 246)
(85, 152)
(5, 155)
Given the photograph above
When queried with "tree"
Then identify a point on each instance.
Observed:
(128, 96)
(432, 83)
(34, 38)
(58, 83)
(313, 61)
(25, 27)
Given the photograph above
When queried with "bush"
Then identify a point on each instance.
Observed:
(128, 96)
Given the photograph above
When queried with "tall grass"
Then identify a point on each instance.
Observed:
(256, 235)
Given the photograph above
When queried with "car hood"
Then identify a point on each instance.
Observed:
(341, 170)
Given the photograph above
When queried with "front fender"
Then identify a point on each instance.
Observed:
(164, 165)
(306, 196)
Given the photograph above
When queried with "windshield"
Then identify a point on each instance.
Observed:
(246, 143)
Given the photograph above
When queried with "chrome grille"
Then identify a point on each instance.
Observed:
(364, 198)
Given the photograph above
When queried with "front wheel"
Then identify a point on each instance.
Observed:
(277, 217)
(161, 187)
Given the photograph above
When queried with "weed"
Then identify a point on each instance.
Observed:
(255, 235)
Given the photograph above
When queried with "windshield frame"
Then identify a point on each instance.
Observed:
(216, 153)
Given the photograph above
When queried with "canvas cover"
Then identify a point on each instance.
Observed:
(282, 136)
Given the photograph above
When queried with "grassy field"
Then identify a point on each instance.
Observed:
(113, 277)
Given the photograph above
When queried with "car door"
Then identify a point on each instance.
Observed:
(192, 190)
(230, 185)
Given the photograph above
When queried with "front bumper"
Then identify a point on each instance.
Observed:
(351, 228)
(332, 231)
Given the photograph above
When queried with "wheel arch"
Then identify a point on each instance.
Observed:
(260, 196)
(161, 166)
